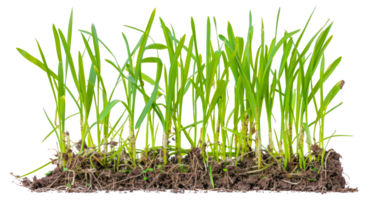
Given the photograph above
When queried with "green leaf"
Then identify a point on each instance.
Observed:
(329, 111)
(198, 91)
(35, 170)
(145, 109)
(142, 47)
(51, 131)
(211, 176)
(41, 53)
(274, 51)
(57, 44)
(110, 106)
(89, 51)
(50, 122)
(96, 46)
(70, 26)
(69, 58)
(332, 68)
(35, 61)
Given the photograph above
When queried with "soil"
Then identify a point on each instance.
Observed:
(192, 174)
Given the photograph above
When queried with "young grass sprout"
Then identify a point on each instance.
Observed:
(232, 69)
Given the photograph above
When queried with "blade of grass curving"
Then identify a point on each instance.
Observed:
(70, 26)
(304, 29)
(332, 93)
(35, 61)
(50, 122)
(274, 51)
(43, 58)
(116, 84)
(81, 78)
(132, 81)
(153, 97)
(57, 44)
(147, 31)
(327, 73)
(150, 80)
(69, 58)
(35, 170)
(328, 139)
(96, 47)
(89, 51)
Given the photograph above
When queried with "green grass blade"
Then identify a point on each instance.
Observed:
(110, 106)
(57, 44)
(198, 91)
(116, 84)
(277, 23)
(102, 42)
(332, 68)
(191, 125)
(37, 169)
(329, 111)
(96, 47)
(81, 77)
(166, 32)
(274, 51)
(305, 28)
(69, 58)
(43, 58)
(89, 51)
(145, 109)
(50, 122)
(51, 131)
(328, 139)
(102, 82)
(70, 26)
(147, 32)
(119, 119)
(211, 176)
(35, 61)
(151, 81)
(46, 136)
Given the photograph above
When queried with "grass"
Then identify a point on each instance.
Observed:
(259, 84)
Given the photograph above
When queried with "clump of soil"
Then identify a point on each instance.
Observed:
(91, 174)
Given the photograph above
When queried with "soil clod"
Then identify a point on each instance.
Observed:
(92, 175)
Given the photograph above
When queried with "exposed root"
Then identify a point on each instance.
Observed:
(96, 174)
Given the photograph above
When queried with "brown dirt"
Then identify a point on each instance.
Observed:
(192, 174)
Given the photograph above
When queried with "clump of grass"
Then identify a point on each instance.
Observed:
(257, 86)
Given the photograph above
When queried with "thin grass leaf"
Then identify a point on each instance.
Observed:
(69, 59)
(211, 176)
(332, 93)
(57, 44)
(145, 109)
(275, 51)
(332, 68)
(29, 57)
(81, 77)
(50, 122)
(110, 106)
(116, 84)
(86, 44)
(70, 26)
(51, 131)
(37, 169)
(147, 31)
(304, 29)
(151, 81)
(96, 47)
(43, 58)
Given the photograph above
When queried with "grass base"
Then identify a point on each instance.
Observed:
(192, 174)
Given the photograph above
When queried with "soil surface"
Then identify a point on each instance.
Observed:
(151, 175)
